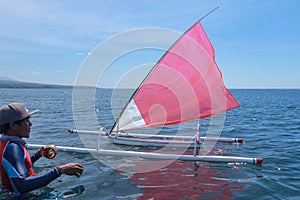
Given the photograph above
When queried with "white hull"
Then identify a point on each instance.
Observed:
(146, 140)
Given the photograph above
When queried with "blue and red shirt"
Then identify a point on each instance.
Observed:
(16, 172)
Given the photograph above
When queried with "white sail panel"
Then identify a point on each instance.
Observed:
(131, 118)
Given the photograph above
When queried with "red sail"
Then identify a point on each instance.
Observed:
(186, 84)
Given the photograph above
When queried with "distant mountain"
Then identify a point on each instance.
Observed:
(6, 82)
(5, 78)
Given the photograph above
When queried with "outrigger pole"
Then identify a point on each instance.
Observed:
(159, 156)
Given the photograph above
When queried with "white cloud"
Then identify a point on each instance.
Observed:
(35, 73)
(80, 54)
(69, 24)
(23, 74)
(50, 23)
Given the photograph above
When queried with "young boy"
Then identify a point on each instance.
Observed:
(16, 170)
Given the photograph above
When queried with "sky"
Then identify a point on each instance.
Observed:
(257, 43)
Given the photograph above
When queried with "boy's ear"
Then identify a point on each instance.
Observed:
(12, 125)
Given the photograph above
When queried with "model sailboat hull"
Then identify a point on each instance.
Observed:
(147, 140)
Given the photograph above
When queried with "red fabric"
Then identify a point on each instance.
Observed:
(4, 177)
(28, 163)
(185, 85)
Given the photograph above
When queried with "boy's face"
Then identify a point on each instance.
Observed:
(22, 129)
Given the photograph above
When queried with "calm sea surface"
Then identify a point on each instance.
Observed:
(268, 121)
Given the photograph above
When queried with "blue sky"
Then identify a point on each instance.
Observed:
(257, 43)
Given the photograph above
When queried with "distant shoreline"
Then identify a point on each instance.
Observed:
(11, 84)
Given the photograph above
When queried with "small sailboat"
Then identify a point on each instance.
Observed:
(184, 85)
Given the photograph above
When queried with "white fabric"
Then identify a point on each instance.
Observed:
(130, 119)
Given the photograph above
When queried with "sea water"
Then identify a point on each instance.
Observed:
(267, 120)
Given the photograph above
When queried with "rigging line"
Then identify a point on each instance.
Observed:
(208, 13)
